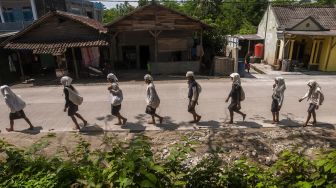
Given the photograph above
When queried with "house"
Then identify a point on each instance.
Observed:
(304, 35)
(57, 43)
(157, 38)
(18, 14)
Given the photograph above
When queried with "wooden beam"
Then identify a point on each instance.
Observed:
(75, 62)
(20, 64)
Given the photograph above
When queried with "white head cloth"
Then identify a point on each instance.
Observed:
(112, 77)
(66, 81)
(236, 78)
(190, 74)
(148, 77)
(13, 101)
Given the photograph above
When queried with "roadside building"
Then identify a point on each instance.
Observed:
(57, 43)
(304, 36)
(157, 38)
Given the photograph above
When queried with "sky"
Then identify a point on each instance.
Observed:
(113, 4)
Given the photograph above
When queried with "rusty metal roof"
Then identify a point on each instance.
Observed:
(53, 48)
(288, 16)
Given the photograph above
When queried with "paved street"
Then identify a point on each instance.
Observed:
(45, 105)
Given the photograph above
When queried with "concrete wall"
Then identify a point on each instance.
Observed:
(180, 67)
(271, 35)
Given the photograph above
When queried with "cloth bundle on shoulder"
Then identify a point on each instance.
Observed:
(74, 96)
(13, 101)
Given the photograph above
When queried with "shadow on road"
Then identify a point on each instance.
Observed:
(249, 124)
(92, 130)
(35, 131)
(209, 124)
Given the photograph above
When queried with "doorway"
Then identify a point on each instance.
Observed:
(144, 56)
(129, 57)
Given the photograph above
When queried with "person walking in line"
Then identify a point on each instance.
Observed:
(279, 88)
(237, 95)
(153, 100)
(72, 100)
(248, 61)
(116, 98)
(315, 98)
(16, 106)
(193, 95)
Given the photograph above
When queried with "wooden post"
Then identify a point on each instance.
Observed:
(21, 67)
(331, 46)
(155, 34)
(312, 57)
(138, 56)
(291, 49)
(201, 37)
(75, 62)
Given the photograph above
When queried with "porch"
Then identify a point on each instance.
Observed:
(308, 50)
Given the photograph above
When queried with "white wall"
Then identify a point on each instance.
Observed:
(271, 35)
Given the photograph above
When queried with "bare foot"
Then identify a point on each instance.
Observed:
(85, 123)
(198, 119)
(314, 123)
(119, 123)
(230, 122)
(161, 120)
(193, 121)
(244, 116)
(124, 121)
(9, 129)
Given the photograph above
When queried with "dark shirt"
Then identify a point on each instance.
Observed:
(235, 93)
(68, 103)
(191, 85)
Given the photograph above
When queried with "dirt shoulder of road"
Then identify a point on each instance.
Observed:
(262, 145)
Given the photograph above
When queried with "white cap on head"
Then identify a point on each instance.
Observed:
(66, 81)
(148, 77)
(190, 74)
(113, 77)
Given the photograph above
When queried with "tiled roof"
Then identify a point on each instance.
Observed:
(288, 16)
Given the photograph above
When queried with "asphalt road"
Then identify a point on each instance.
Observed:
(45, 105)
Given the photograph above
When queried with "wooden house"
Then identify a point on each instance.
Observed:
(157, 38)
(54, 42)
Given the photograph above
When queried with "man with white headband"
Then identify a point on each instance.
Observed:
(71, 105)
(116, 98)
(153, 100)
(16, 106)
(193, 94)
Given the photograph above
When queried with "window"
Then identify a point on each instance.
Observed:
(27, 14)
(8, 15)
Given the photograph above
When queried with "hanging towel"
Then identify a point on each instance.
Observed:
(11, 64)
(200, 51)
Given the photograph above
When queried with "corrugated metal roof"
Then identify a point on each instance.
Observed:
(288, 16)
(249, 37)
